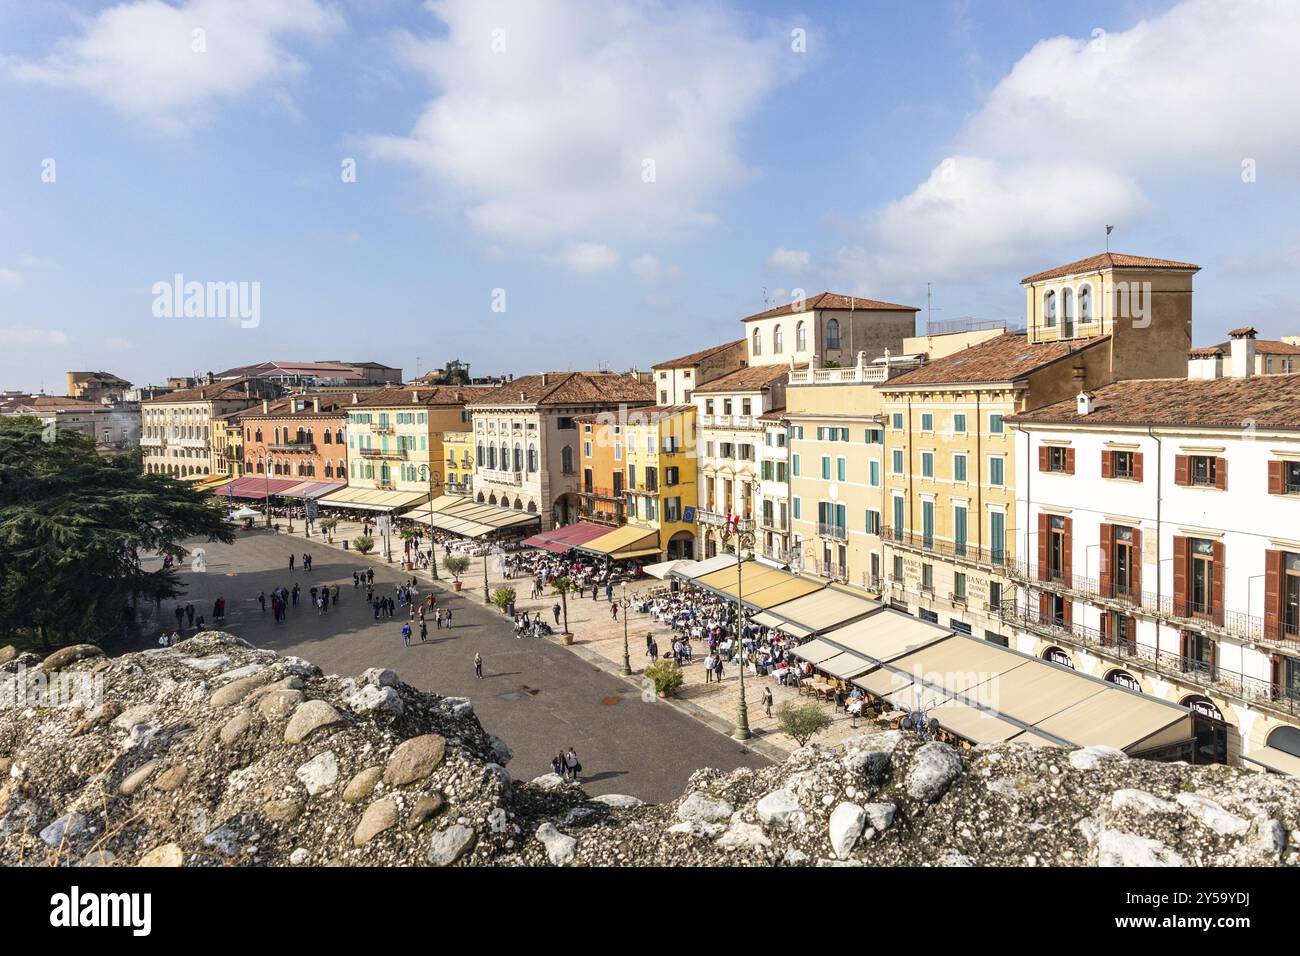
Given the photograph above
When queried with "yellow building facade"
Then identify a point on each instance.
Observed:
(661, 477)
(395, 436)
(458, 454)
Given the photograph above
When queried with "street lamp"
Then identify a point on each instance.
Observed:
(433, 540)
(268, 490)
(741, 530)
(627, 610)
(488, 551)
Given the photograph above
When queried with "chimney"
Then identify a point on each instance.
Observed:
(266, 406)
(315, 405)
(354, 398)
(1243, 352)
(543, 378)
(415, 396)
(1084, 402)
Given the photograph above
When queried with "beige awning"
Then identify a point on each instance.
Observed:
(824, 609)
(1278, 761)
(887, 635)
(976, 725)
(780, 592)
(767, 619)
(882, 682)
(368, 499)
(706, 567)
(469, 518)
(815, 651)
(845, 666)
(1119, 718)
(625, 542)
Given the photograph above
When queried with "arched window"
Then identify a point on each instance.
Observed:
(301, 436)
(338, 436)
(1285, 739)
(1067, 307)
(340, 469)
(328, 436)
(479, 453)
(532, 458)
(1124, 679)
(329, 470)
(519, 457)
(505, 457)
(518, 505)
(1049, 309)
(385, 473)
(259, 435)
(800, 338)
(1085, 304)
(833, 334)
(758, 342)
(1055, 655)
(778, 341)
(566, 460)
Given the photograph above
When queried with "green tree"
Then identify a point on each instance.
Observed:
(665, 675)
(503, 597)
(364, 543)
(803, 722)
(455, 565)
(73, 525)
(564, 586)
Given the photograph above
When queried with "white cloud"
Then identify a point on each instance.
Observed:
(789, 260)
(10, 277)
(651, 269)
(29, 335)
(142, 56)
(1068, 140)
(589, 258)
(555, 132)
(118, 344)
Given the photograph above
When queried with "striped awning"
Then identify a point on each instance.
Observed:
(469, 518)
(257, 487)
(312, 489)
(628, 541)
(373, 499)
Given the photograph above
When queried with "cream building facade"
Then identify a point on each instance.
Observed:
(183, 433)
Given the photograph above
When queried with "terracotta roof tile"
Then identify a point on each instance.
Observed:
(833, 300)
(424, 395)
(695, 358)
(1003, 359)
(218, 391)
(1266, 401)
(1116, 260)
(568, 388)
(1262, 347)
(751, 379)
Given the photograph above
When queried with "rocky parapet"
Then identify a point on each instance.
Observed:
(214, 753)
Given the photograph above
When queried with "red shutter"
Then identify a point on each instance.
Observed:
(1042, 546)
(1276, 478)
(1184, 650)
(1105, 628)
(1276, 674)
(1221, 474)
(1180, 576)
(1042, 458)
(1107, 464)
(1067, 555)
(1182, 475)
(1132, 630)
(1107, 549)
(1137, 466)
(1218, 582)
(1135, 572)
(1069, 461)
(1066, 613)
(1273, 594)
(1042, 607)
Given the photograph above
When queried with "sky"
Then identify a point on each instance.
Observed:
(559, 184)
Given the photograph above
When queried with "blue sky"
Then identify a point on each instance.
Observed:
(504, 146)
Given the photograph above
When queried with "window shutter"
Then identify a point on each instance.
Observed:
(1105, 627)
(1137, 466)
(1042, 458)
(1181, 474)
(1067, 557)
(1276, 478)
(1107, 464)
(1042, 607)
(1273, 594)
(1069, 461)
(1042, 546)
(1221, 474)
(1180, 576)
(1275, 660)
(1067, 612)
(1218, 582)
(1135, 573)
(1107, 549)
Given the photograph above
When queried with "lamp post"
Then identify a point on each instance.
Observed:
(487, 553)
(627, 609)
(741, 530)
(433, 541)
(268, 490)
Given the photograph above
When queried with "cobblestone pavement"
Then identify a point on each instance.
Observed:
(535, 694)
(599, 638)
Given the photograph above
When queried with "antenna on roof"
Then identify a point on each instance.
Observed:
(929, 310)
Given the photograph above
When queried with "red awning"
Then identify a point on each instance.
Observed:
(560, 540)
(258, 487)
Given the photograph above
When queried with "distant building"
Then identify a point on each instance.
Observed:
(183, 433)
(1264, 356)
(97, 387)
(827, 330)
(677, 379)
(298, 436)
(112, 428)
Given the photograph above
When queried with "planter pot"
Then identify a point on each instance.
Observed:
(456, 586)
(568, 639)
(661, 695)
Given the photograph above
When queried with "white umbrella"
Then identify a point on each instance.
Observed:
(245, 512)
(664, 568)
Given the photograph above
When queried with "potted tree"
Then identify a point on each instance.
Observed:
(504, 598)
(564, 586)
(408, 537)
(666, 676)
(328, 525)
(455, 565)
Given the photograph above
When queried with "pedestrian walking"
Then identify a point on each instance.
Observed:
(613, 611)
(446, 618)
(406, 635)
(478, 666)
(424, 631)
(556, 611)
(708, 669)
(356, 579)
(571, 765)
(767, 701)
(291, 560)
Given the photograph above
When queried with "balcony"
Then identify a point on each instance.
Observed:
(771, 523)
(834, 531)
(604, 494)
(957, 550)
(1171, 666)
(383, 430)
(500, 477)
(1162, 607)
(852, 375)
(717, 519)
(385, 484)
(831, 571)
(305, 447)
(382, 452)
(612, 519)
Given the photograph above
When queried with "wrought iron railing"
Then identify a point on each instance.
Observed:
(959, 550)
